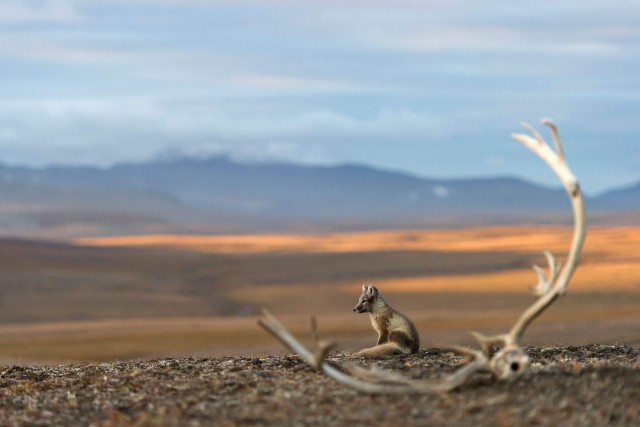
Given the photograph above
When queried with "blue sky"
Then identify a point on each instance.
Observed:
(431, 88)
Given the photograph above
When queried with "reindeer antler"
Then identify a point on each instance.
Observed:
(556, 285)
(511, 360)
(371, 382)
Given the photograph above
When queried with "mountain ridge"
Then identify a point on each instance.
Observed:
(219, 194)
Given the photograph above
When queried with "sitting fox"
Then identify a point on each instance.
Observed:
(396, 333)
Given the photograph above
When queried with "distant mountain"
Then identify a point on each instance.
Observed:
(623, 199)
(220, 195)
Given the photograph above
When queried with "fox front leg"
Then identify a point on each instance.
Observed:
(383, 337)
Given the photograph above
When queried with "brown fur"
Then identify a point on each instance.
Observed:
(396, 332)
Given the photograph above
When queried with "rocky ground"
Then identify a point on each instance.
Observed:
(594, 385)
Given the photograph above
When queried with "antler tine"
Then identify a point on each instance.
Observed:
(314, 329)
(552, 158)
(272, 325)
(554, 134)
(465, 351)
(533, 132)
(544, 283)
(322, 347)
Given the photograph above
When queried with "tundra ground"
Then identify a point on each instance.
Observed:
(595, 385)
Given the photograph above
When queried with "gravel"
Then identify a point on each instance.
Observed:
(593, 385)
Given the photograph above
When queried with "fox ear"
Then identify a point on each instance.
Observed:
(371, 290)
(364, 288)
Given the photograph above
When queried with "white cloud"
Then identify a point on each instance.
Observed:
(36, 48)
(299, 84)
(49, 11)
(492, 40)
(142, 127)
(542, 27)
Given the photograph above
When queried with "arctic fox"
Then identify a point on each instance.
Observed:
(396, 333)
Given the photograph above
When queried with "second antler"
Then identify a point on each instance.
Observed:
(511, 360)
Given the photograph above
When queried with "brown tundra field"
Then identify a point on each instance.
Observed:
(131, 297)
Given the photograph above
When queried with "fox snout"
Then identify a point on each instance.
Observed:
(362, 307)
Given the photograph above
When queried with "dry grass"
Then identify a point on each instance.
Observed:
(109, 340)
(486, 239)
(610, 258)
(481, 239)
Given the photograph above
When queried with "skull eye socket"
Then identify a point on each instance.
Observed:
(515, 366)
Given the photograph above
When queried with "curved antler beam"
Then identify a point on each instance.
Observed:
(557, 284)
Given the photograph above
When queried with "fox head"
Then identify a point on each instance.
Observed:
(368, 298)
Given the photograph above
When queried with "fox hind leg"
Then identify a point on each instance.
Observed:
(387, 349)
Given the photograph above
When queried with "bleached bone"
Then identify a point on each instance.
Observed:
(510, 361)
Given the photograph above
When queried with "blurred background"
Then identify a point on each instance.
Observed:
(168, 168)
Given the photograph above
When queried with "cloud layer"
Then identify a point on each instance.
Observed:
(433, 88)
